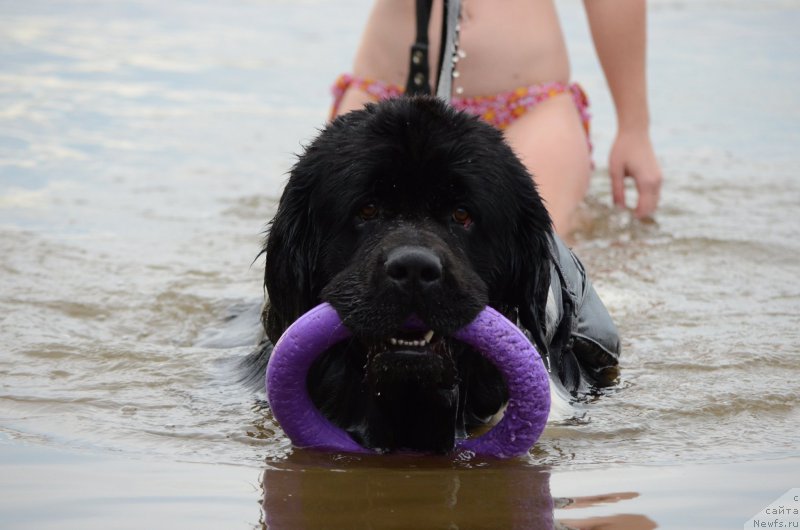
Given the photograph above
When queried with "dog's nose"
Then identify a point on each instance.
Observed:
(413, 267)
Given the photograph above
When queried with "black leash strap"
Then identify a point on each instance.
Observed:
(419, 70)
(419, 66)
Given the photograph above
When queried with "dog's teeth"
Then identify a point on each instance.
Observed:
(415, 343)
(428, 336)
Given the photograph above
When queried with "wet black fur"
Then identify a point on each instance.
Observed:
(417, 160)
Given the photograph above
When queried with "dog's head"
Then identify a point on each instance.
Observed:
(409, 218)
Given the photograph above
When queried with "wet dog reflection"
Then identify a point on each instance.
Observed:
(322, 491)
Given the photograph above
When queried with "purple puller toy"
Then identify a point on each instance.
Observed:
(495, 337)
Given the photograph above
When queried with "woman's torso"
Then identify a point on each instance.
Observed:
(507, 44)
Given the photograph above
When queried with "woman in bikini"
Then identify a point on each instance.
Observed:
(513, 72)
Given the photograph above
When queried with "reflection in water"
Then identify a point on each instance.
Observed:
(625, 521)
(314, 491)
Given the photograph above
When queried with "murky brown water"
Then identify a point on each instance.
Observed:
(142, 147)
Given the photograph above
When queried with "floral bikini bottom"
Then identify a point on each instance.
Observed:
(499, 110)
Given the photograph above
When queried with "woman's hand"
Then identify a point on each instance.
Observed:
(632, 156)
(619, 30)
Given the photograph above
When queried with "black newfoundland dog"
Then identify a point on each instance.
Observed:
(409, 207)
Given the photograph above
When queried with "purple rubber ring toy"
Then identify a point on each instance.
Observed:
(494, 336)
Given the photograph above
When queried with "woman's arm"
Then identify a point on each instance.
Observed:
(619, 33)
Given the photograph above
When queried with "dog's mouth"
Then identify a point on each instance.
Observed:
(412, 341)
(417, 358)
(420, 343)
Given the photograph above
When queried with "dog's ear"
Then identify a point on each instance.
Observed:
(291, 252)
(531, 273)
(293, 273)
(531, 256)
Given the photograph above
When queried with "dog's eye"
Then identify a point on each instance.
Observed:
(462, 217)
(368, 211)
